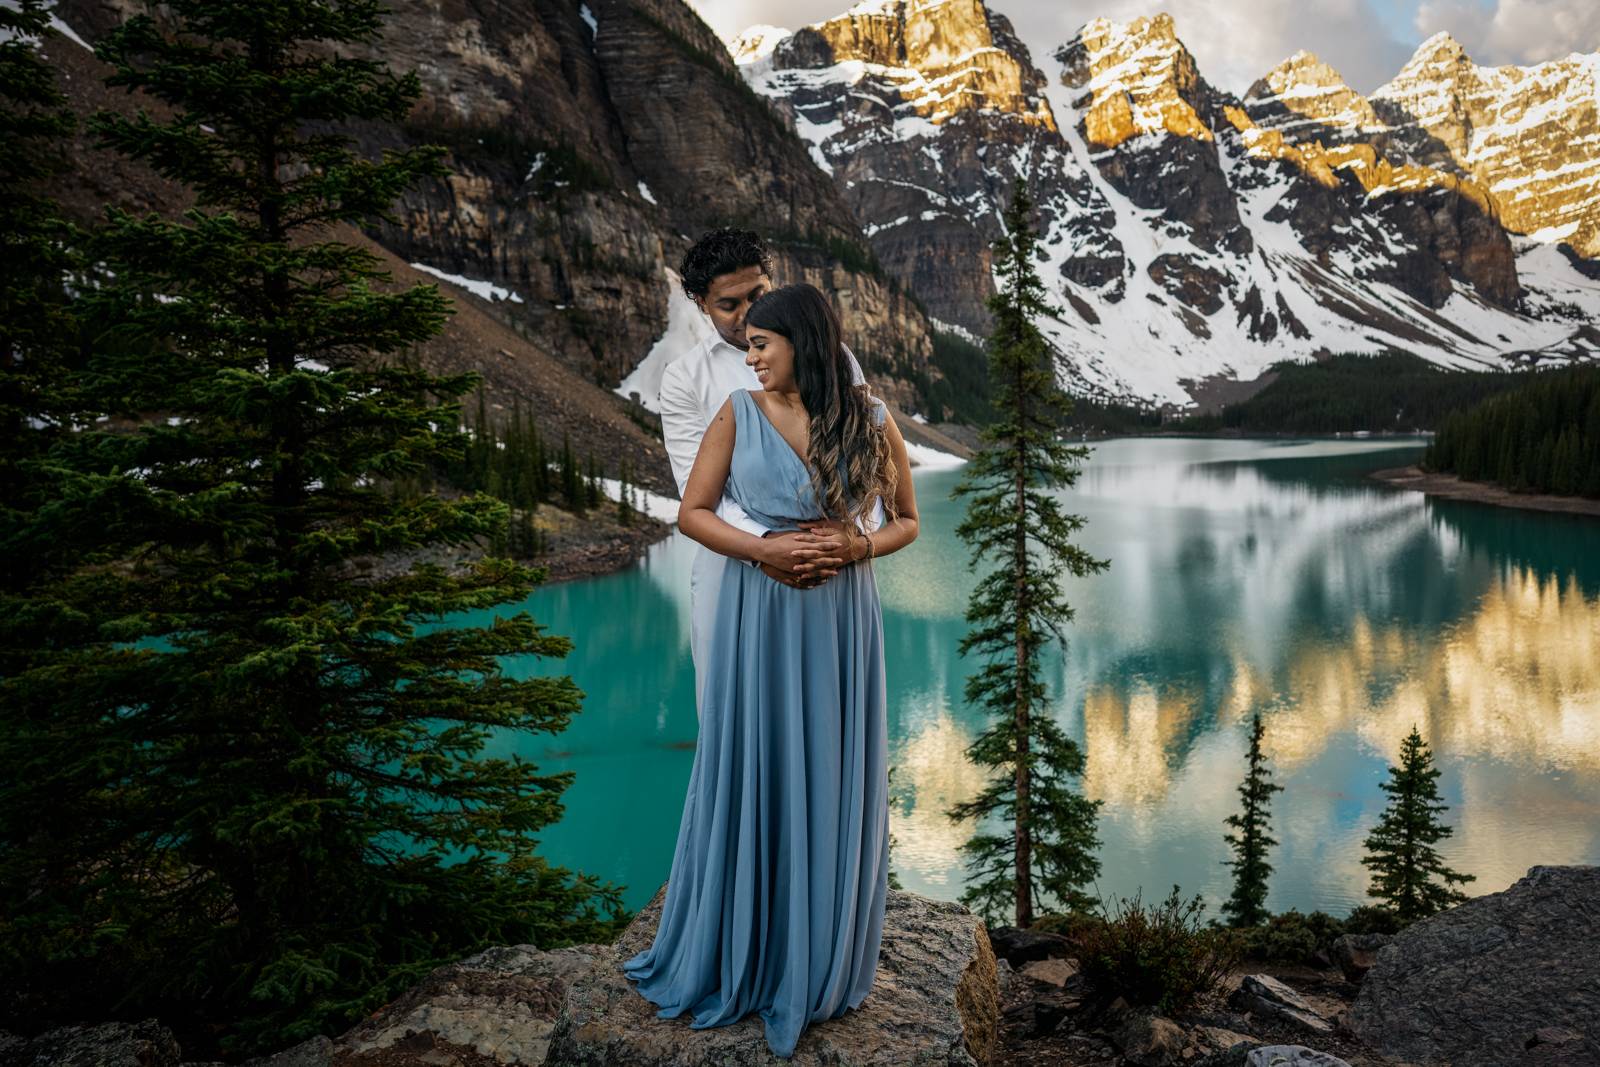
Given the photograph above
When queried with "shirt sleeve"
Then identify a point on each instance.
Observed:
(680, 424)
(856, 377)
(732, 514)
(682, 431)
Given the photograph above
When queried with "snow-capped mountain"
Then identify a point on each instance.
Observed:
(922, 113)
(1530, 135)
(1194, 237)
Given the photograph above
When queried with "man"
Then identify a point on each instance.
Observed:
(725, 272)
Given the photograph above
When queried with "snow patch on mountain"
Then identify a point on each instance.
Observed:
(484, 290)
(756, 43)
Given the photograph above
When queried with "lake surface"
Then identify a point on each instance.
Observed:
(1245, 575)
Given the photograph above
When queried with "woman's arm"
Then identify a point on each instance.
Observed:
(891, 536)
(697, 514)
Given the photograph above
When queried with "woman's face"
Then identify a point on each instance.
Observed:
(771, 356)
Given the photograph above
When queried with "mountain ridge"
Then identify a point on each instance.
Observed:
(1193, 235)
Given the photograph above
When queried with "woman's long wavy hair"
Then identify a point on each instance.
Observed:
(848, 451)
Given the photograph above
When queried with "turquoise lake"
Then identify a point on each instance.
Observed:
(1245, 575)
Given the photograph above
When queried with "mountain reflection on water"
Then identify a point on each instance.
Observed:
(1246, 576)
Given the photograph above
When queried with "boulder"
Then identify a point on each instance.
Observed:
(935, 1000)
(1019, 946)
(1356, 953)
(1054, 972)
(115, 1044)
(1559, 1046)
(1472, 985)
(1266, 995)
(497, 1007)
(1005, 975)
(1150, 1040)
(1291, 1056)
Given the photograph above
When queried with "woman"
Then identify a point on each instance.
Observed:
(775, 901)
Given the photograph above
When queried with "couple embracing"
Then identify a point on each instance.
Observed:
(793, 478)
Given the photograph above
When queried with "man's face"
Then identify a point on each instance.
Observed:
(729, 297)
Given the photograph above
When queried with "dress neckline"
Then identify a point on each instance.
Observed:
(760, 411)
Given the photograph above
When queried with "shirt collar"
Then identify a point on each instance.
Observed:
(716, 346)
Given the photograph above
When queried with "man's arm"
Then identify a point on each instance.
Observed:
(682, 431)
(680, 424)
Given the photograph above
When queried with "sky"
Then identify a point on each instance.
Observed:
(1237, 41)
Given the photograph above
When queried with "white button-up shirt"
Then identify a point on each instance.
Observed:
(693, 388)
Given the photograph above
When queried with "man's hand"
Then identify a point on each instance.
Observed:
(795, 581)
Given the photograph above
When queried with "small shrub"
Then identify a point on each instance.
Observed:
(1292, 937)
(1161, 955)
(1373, 919)
(1072, 925)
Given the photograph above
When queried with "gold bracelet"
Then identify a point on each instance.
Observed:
(871, 548)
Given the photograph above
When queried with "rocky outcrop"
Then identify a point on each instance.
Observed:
(114, 1044)
(935, 1001)
(1429, 997)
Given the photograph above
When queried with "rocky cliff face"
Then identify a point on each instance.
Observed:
(590, 142)
(1191, 235)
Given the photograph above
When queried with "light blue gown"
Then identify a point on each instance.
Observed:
(776, 897)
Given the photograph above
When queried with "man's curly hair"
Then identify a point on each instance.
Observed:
(722, 251)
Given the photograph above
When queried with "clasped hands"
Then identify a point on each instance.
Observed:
(809, 556)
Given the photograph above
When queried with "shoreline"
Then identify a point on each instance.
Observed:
(1262, 435)
(1450, 487)
(619, 549)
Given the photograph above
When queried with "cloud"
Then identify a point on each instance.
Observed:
(1237, 41)
(731, 17)
(1234, 41)
(1515, 31)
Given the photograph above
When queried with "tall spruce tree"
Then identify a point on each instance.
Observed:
(1021, 536)
(246, 789)
(38, 251)
(1400, 849)
(1247, 906)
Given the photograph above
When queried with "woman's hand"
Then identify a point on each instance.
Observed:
(823, 547)
(849, 539)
